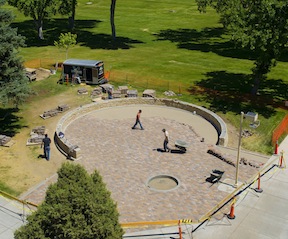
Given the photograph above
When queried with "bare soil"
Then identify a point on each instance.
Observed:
(21, 166)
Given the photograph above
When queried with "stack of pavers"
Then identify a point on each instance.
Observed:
(49, 113)
(4, 140)
(123, 90)
(62, 108)
(82, 91)
(37, 135)
(132, 93)
(96, 92)
(149, 93)
(53, 112)
(116, 94)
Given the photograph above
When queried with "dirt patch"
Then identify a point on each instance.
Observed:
(42, 73)
(21, 166)
(233, 136)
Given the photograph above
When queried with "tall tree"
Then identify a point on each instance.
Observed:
(66, 41)
(14, 85)
(260, 25)
(112, 19)
(68, 7)
(77, 206)
(38, 10)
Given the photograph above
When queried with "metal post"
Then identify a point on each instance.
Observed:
(239, 149)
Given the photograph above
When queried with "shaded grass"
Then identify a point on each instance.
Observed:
(9, 190)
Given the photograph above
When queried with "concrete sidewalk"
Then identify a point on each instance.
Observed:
(257, 215)
(12, 216)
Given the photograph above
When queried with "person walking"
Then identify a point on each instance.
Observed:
(166, 140)
(138, 120)
(46, 143)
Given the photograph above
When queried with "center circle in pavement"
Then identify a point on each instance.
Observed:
(163, 183)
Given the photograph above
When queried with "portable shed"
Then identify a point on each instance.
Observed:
(88, 71)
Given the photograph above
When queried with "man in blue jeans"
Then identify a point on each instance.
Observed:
(138, 120)
(46, 143)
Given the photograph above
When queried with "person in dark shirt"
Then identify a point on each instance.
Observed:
(138, 120)
(46, 143)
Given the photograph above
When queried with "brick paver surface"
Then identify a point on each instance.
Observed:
(128, 158)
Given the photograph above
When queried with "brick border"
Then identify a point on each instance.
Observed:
(73, 151)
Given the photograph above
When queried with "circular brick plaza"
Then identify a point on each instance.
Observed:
(128, 158)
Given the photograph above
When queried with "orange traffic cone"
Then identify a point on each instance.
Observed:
(258, 189)
(281, 159)
(276, 147)
(231, 214)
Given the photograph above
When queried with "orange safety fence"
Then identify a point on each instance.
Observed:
(281, 128)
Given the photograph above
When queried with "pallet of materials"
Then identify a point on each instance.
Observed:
(54, 112)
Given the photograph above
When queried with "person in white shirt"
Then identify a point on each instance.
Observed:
(166, 140)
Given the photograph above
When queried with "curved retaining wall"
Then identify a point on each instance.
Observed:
(73, 151)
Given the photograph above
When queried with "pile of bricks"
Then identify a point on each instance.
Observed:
(54, 112)
(38, 130)
(149, 93)
(82, 91)
(132, 93)
(96, 92)
(123, 90)
(4, 139)
(37, 135)
(116, 94)
(50, 113)
(62, 108)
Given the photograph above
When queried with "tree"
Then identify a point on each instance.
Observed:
(112, 22)
(77, 206)
(260, 25)
(66, 41)
(14, 85)
(37, 9)
(68, 7)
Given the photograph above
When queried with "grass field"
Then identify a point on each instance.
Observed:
(166, 45)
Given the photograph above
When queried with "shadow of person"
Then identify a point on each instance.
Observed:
(177, 151)
(160, 150)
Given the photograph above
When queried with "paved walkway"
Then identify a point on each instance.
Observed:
(128, 158)
(257, 215)
(12, 216)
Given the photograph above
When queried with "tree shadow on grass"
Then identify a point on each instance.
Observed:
(54, 27)
(209, 40)
(9, 122)
(104, 41)
(226, 91)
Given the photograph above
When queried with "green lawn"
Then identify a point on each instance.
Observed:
(167, 45)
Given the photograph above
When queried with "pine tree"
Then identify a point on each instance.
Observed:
(77, 206)
(14, 85)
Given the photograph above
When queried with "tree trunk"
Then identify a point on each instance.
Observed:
(262, 67)
(256, 84)
(112, 13)
(40, 28)
(72, 18)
